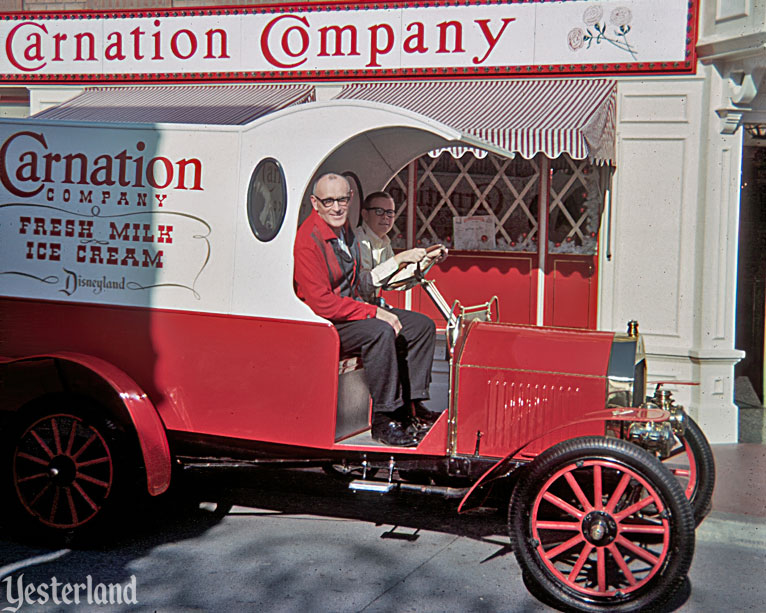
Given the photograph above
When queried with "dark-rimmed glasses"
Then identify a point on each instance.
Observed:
(380, 211)
(328, 202)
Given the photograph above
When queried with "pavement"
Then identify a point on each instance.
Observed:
(311, 545)
(739, 499)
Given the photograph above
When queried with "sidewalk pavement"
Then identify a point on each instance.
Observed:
(739, 498)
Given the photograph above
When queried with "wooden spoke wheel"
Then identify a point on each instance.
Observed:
(692, 463)
(600, 525)
(63, 469)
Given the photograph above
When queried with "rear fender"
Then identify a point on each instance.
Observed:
(505, 466)
(123, 395)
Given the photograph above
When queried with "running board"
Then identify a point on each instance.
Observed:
(363, 485)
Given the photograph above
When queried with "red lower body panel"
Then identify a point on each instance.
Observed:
(244, 377)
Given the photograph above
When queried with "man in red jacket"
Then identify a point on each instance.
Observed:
(396, 346)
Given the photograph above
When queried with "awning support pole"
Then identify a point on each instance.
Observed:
(412, 202)
(542, 235)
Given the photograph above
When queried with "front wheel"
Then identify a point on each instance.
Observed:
(600, 525)
(692, 463)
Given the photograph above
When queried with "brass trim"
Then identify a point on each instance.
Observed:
(525, 370)
(527, 256)
(453, 392)
(452, 423)
(622, 388)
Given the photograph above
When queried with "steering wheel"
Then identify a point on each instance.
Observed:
(409, 272)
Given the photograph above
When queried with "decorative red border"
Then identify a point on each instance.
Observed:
(688, 66)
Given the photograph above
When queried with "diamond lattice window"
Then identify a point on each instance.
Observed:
(576, 200)
(502, 191)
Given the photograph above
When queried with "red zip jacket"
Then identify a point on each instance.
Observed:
(334, 289)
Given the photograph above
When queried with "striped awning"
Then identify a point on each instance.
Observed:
(197, 104)
(549, 116)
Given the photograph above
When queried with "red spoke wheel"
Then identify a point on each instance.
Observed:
(692, 463)
(600, 525)
(66, 467)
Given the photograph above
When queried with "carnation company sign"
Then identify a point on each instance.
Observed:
(99, 214)
(338, 41)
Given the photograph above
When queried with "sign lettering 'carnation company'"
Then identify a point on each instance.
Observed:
(81, 217)
(342, 41)
(32, 168)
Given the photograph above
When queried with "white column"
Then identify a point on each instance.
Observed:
(713, 354)
(674, 241)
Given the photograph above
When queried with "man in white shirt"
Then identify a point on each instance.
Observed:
(377, 255)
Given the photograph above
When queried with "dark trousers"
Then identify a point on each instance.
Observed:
(397, 367)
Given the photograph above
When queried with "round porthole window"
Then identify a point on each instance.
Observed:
(267, 199)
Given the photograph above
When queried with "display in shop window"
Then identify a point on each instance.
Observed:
(474, 233)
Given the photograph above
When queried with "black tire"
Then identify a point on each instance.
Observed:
(628, 548)
(692, 463)
(66, 469)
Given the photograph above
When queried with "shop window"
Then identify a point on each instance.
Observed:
(471, 203)
(398, 190)
(576, 200)
(485, 209)
(493, 202)
(266, 199)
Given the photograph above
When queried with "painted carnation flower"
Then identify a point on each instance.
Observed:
(620, 16)
(576, 39)
(592, 15)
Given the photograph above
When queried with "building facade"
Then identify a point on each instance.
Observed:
(643, 226)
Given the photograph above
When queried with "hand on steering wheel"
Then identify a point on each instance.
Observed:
(416, 272)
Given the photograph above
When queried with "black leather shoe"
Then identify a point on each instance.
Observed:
(423, 416)
(393, 432)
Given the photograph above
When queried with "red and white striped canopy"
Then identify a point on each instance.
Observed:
(529, 116)
(549, 116)
(198, 104)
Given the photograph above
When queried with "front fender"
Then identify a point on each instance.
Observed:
(505, 466)
(141, 411)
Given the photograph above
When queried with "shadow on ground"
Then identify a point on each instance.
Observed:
(172, 543)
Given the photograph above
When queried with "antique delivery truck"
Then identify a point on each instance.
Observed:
(148, 322)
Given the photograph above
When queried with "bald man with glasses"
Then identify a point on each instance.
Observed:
(396, 346)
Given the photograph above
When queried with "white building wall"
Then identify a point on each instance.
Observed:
(673, 246)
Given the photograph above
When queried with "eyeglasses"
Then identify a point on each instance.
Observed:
(328, 202)
(379, 211)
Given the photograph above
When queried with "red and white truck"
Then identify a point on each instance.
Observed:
(148, 322)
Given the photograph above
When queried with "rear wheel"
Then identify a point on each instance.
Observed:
(692, 463)
(67, 467)
(600, 525)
